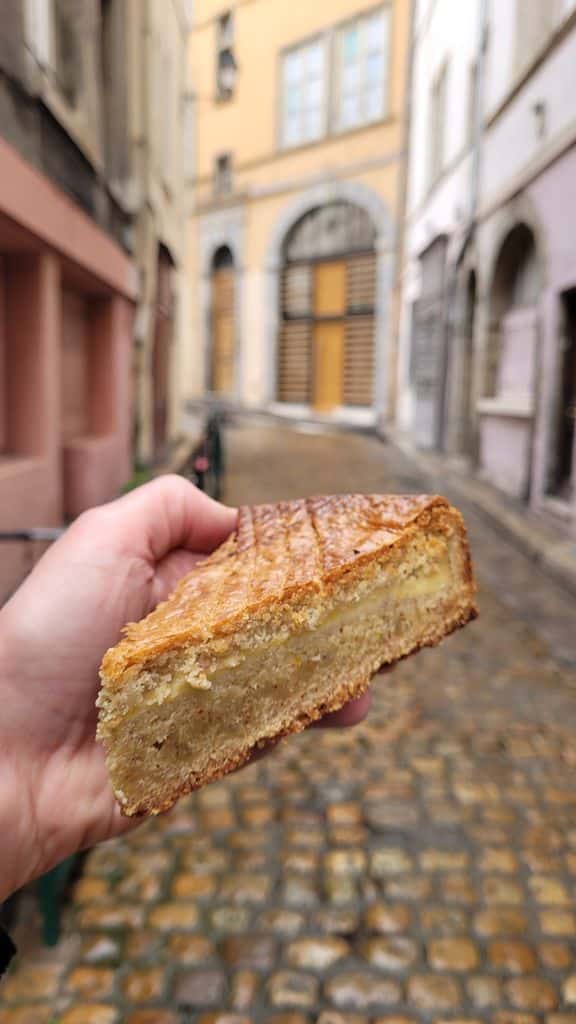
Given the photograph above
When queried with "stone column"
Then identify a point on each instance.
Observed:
(110, 396)
(33, 330)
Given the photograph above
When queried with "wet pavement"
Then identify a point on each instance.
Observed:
(421, 867)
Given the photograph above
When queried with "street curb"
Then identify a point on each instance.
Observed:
(555, 557)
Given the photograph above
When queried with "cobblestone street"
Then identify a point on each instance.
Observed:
(421, 867)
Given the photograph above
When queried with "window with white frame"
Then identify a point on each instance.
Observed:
(304, 94)
(225, 60)
(437, 125)
(362, 62)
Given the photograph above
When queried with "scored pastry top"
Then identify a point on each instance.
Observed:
(276, 551)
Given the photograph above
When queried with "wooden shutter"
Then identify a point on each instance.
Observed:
(294, 362)
(359, 360)
(313, 297)
(361, 282)
(297, 291)
(359, 340)
(295, 349)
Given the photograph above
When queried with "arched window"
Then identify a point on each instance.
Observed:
(223, 347)
(328, 295)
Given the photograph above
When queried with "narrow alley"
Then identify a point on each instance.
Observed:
(420, 867)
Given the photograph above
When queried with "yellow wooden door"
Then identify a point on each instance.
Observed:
(223, 347)
(328, 364)
(329, 313)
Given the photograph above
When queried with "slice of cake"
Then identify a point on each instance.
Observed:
(289, 619)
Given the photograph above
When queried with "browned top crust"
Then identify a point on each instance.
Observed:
(276, 551)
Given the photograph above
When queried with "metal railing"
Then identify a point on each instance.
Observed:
(38, 533)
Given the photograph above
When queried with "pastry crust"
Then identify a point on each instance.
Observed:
(286, 569)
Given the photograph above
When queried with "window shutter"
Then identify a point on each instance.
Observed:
(361, 285)
(359, 361)
(294, 362)
(297, 291)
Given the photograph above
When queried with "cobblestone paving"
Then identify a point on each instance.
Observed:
(421, 867)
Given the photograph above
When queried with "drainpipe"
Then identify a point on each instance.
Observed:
(478, 135)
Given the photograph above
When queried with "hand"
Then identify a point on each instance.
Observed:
(112, 566)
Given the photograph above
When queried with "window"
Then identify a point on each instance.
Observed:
(223, 175)
(68, 68)
(362, 59)
(304, 94)
(225, 60)
(437, 124)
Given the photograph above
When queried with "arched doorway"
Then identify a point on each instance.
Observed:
(326, 349)
(514, 294)
(222, 377)
(510, 380)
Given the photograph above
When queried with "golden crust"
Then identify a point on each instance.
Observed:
(276, 553)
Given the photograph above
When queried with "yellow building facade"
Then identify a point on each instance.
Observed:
(298, 140)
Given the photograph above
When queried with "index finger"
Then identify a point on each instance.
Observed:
(168, 513)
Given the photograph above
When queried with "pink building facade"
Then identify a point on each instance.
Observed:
(67, 293)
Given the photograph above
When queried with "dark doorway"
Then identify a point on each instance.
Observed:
(466, 441)
(223, 324)
(161, 353)
(562, 462)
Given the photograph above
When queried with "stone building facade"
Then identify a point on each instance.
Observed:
(91, 254)
(491, 378)
(297, 186)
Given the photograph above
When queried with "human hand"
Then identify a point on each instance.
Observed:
(112, 566)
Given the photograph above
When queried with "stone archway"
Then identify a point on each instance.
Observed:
(514, 293)
(508, 407)
(373, 207)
